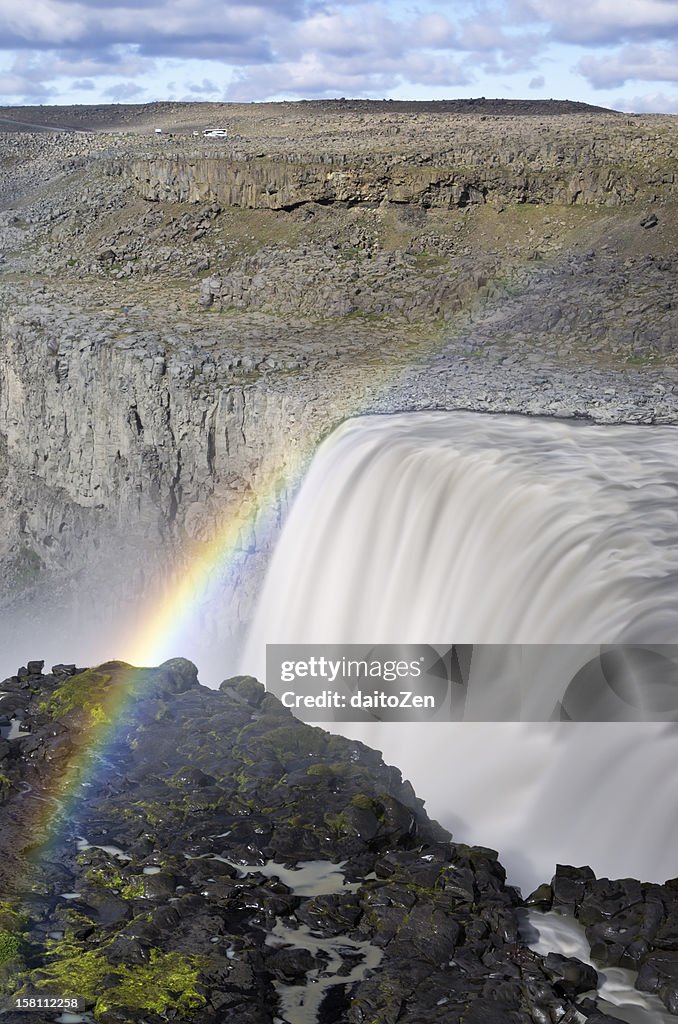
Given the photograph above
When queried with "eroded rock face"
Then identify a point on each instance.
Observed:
(121, 450)
(219, 860)
(470, 161)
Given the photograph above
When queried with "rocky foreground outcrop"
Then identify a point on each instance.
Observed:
(177, 853)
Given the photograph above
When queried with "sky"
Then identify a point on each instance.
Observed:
(614, 53)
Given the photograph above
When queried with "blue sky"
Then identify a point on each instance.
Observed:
(616, 53)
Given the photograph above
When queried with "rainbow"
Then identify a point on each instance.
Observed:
(155, 640)
(173, 610)
(102, 707)
(157, 636)
(208, 564)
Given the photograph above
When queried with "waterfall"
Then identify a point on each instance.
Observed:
(464, 528)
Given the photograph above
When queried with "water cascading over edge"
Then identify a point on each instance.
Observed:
(467, 528)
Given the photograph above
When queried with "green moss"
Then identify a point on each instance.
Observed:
(10, 918)
(10, 946)
(339, 824)
(322, 771)
(13, 925)
(296, 821)
(5, 781)
(147, 812)
(647, 359)
(429, 260)
(364, 802)
(166, 981)
(162, 711)
(129, 888)
(87, 691)
(288, 743)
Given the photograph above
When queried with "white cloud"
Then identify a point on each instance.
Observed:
(639, 63)
(124, 91)
(436, 31)
(19, 88)
(323, 76)
(42, 22)
(160, 28)
(204, 88)
(482, 35)
(649, 103)
(69, 64)
(344, 35)
(355, 53)
(603, 21)
(332, 47)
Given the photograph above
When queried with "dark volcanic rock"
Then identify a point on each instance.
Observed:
(224, 862)
(570, 974)
(659, 973)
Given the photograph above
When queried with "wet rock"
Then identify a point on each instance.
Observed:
(541, 898)
(110, 909)
(160, 886)
(206, 789)
(244, 688)
(571, 976)
(330, 915)
(569, 885)
(64, 670)
(591, 1013)
(659, 974)
(291, 965)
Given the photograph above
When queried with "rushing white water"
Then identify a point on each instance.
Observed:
(468, 528)
(557, 933)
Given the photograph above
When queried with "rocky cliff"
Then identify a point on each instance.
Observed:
(182, 320)
(443, 160)
(122, 452)
(480, 171)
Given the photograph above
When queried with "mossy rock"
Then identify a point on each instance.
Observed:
(10, 946)
(167, 981)
(246, 687)
(87, 692)
(11, 919)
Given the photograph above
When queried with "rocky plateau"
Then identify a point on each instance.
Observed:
(182, 318)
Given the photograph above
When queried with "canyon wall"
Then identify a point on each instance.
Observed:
(434, 162)
(122, 460)
(552, 174)
(182, 320)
